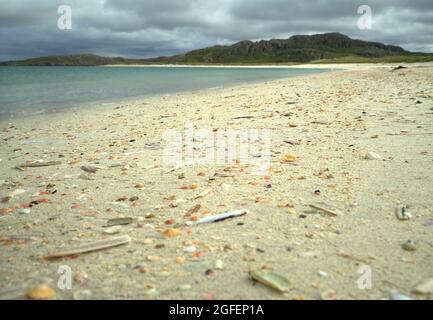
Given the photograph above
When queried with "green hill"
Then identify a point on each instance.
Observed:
(72, 60)
(319, 48)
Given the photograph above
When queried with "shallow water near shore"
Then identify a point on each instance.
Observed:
(35, 90)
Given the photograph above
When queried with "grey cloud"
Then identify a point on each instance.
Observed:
(145, 28)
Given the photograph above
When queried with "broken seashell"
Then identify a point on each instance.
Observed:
(82, 294)
(395, 295)
(89, 247)
(90, 169)
(426, 287)
(328, 294)
(17, 192)
(40, 292)
(119, 221)
(180, 260)
(24, 211)
(190, 249)
(402, 214)
(326, 208)
(288, 158)
(409, 245)
(372, 156)
(112, 230)
(172, 232)
(270, 279)
(219, 264)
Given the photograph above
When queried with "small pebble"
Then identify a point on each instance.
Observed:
(172, 232)
(291, 211)
(153, 258)
(82, 295)
(81, 277)
(328, 294)
(409, 246)
(219, 264)
(322, 273)
(426, 287)
(225, 187)
(112, 230)
(372, 156)
(148, 241)
(185, 287)
(40, 292)
(190, 249)
(402, 214)
(209, 272)
(180, 260)
(398, 296)
(151, 293)
(24, 211)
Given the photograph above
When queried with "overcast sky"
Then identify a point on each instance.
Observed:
(147, 28)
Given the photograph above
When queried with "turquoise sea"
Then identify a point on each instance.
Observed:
(33, 90)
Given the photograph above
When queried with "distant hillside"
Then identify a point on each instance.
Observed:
(72, 60)
(319, 48)
(294, 49)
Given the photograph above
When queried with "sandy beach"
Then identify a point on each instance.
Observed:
(347, 147)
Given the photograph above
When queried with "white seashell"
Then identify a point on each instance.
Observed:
(17, 192)
(82, 295)
(112, 230)
(24, 211)
(398, 296)
(219, 264)
(189, 249)
(402, 214)
(185, 287)
(372, 156)
(225, 187)
(322, 273)
(426, 287)
(151, 292)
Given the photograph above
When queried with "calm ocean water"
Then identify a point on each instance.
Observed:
(33, 90)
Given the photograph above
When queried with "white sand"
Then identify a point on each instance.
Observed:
(361, 109)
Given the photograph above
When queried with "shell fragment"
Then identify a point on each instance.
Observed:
(92, 246)
(271, 280)
(402, 214)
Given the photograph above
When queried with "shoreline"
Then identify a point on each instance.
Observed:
(321, 128)
(101, 104)
(337, 66)
(346, 66)
(140, 99)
